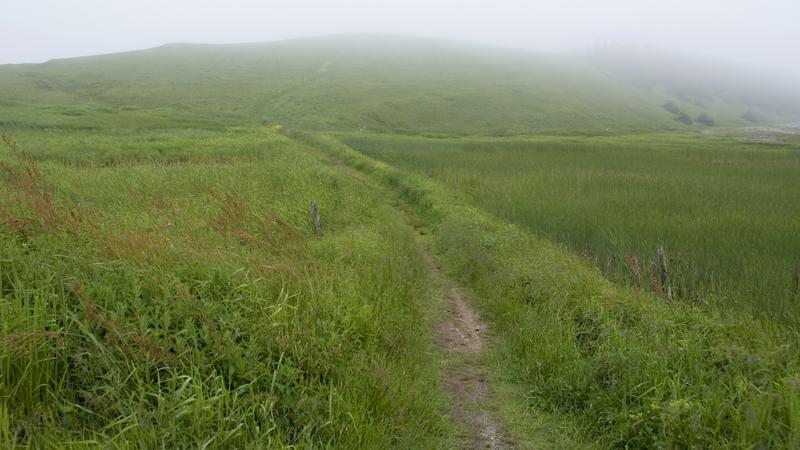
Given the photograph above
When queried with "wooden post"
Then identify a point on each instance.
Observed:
(315, 218)
(664, 272)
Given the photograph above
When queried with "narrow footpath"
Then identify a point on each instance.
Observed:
(460, 337)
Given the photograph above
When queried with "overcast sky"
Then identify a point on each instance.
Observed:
(763, 32)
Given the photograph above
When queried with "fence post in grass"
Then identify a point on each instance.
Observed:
(664, 272)
(315, 218)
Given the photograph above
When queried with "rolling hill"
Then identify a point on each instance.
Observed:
(373, 83)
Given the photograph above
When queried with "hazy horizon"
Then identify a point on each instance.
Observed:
(762, 36)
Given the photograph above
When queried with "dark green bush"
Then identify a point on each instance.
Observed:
(751, 116)
(671, 107)
(683, 117)
(705, 119)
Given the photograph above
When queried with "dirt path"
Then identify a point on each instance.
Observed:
(460, 337)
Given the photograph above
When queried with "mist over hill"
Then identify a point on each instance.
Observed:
(373, 83)
(698, 79)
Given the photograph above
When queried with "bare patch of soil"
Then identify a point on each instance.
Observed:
(461, 336)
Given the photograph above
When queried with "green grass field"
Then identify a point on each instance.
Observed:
(162, 284)
(182, 300)
(624, 368)
(727, 212)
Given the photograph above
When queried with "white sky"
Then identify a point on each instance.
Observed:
(761, 32)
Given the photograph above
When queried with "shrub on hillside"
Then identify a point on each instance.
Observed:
(751, 116)
(677, 113)
(705, 119)
(671, 107)
(681, 116)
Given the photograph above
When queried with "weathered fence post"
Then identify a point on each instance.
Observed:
(664, 272)
(315, 218)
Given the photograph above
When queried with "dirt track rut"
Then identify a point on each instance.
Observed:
(461, 337)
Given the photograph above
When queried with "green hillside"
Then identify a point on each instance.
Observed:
(374, 83)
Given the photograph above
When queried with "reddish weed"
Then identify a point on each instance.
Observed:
(22, 343)
(146, 347)
(29, 186)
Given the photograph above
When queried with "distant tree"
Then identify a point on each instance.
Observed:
(705, 119)
(671, 107)
(681, 116)
(677, 113)
(751, 116)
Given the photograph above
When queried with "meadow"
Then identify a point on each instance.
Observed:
(181, 299)
(727, 212)
(162, 284)
(165, 288)
(621, 368)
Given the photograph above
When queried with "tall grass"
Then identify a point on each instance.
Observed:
(631, 370)
(727, 212)
(150, 304)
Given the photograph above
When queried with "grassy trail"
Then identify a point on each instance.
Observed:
(490, 412)
(461, 338)
(577, 361)
(462, 342)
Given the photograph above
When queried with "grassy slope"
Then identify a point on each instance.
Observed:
(630, 371)
(381, 83)
(184, 301)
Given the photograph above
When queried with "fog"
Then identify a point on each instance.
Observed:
(761, 34)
